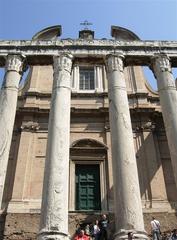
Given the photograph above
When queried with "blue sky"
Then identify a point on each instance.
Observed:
(149, 19)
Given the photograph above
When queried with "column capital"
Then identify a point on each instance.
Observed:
(114, 62)
(62, 66)
(15, 63)
(161, 62)
(63, 62)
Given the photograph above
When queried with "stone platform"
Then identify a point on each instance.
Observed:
(25, 226)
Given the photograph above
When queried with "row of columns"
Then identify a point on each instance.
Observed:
(127, 200)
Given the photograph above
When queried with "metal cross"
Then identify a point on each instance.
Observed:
(85, 24)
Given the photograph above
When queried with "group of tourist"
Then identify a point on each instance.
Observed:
(174, 234)
(156, 232)
(96, 231)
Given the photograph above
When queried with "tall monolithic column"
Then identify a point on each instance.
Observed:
(168, 100)
(54, 211)
(127, 201)
(8, 103)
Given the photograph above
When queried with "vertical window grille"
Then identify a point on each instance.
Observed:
(86, 79)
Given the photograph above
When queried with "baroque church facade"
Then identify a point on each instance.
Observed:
(104, 148)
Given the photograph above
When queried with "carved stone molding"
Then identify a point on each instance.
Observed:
(15, 63)
(146, 126)
(107, 127)
(62, 71)
(115, 63)
(163, 62)
(135, 52)
(62, 62)
(30, 126)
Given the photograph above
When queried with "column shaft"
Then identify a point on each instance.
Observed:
(8, 103)
(127, 201)
(54, 211)
(168, 100)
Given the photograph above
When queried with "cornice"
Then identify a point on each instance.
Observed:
(87, 94)
(32, 110)
(30, 126)
(135, 52)
(84, 42)
(100, 110)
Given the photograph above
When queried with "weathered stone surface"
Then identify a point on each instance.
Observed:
(8, 102)
(42, 52)
(25, 226)
(90, 121)
(54, 219)
(168, 99)
(21, 226)
(128, 211)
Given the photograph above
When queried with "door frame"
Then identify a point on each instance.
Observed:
(103, 186)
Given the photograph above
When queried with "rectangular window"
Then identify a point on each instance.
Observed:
(88, 187)
(86, 78)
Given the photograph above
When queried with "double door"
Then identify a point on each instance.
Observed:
(88, 187)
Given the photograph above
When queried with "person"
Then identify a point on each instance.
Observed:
(96, 230)
(174, 235)
(155, 228)
(81, 236)
(87, 230)
(103, 227)
(130, 235)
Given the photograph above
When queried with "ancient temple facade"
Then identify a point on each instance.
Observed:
(85, 134)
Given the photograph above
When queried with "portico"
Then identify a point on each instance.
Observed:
(116, 55)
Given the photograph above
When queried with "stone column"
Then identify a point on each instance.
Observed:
(127, 201)
(54, 211)
(8, 103)
(168, 100)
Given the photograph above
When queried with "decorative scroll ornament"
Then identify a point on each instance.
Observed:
(115, 63)
(15, 63)
(63, 62)
(163, 62)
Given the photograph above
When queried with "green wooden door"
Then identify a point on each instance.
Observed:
(88, 187)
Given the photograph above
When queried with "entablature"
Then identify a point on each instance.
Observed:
(42, 52)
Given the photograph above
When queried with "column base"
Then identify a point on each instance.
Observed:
(52, 235)
(123, 234)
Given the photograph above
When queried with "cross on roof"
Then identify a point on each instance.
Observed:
(85, 24)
